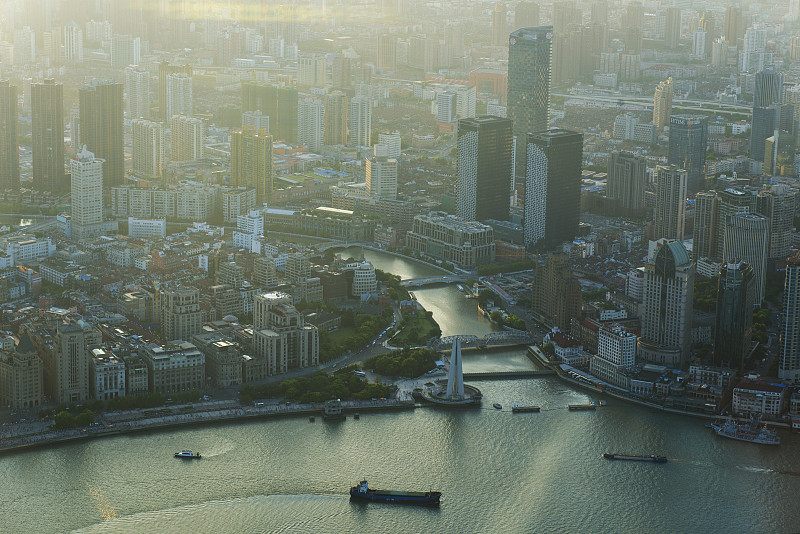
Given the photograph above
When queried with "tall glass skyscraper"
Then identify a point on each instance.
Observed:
(483, 185)
(789, 365)
(9, 142)
(47, 136)
(734, 326)
(530, 53)
(688, 135)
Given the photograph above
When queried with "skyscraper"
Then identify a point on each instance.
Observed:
(179, 95)
(526, 15)
(668, 293)
(706, 220)
(251, 161)
(552, 187)
(381, 177)
(670, 210)
(147, 148)
(164, 70)
(734, 320)
(789, 363)
(565, 14)
(9, 141)
(599, 12)
(767, 100)
(499, 25)
(627, 177)
(360, 122)
(777, 203)
(672, 27)
(87, 195)
(687, 147)
(47, 136)
(483, 184)
(768, 87)
(662, 103)
(187, 138)
(125, 50)
(530, 52)
(556, 297)
(336, 118)
(746, 238)
(137, 92)
(101, 112)
(387, 52)
(311, 123)
(73, 42)
(734, 25)
(279, 103)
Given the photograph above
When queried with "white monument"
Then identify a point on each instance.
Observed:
(455, 378)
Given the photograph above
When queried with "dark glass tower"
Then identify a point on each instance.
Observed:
(9, 142)
(688, 135)
(734, 327)
(279, 103)
(627, 178)
(553, 187)
(767, 96)
(530, 53)
(101, 117)
(47, 136)
(483, 186)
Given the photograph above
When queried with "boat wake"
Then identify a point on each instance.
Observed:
(219, 450)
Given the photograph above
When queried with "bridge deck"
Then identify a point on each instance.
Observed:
(508, 374)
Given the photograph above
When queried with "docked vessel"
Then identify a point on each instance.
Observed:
(752, 432)
(523, 409)
(189, 455)
(362, 491)
(635, 457)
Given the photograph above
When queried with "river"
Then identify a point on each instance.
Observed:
(498, 471)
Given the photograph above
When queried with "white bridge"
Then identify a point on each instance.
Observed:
(427, 280)
(492, 339)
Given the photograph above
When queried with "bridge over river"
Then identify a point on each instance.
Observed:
(492, 339)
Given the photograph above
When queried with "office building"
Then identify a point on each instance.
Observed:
(616, 353)
(530, 52)
(688, 136)
(281, 336)
(137, 92)
(552, 188)
(670, 210)
(175, 367)
(706, 221)
(667, 318)
(87, 195)
(21, 377)
(526, 15)
(734, 24)
(627, 177)
(777, 203)
(499, 25)
(767, 109)
(337, 111)
(311, 123)
(381, 177)
(387, 52)
(279, 103)
(147, 148)
(672, 27)
(9, 139)
(70, 373)
(106, 375)
(662, 103)
(440, 236)
(187, 138)
(446, 111)
(101, 116)
(734, 319)
(251, 161)
(789, 358)
(731, 201)
(47, 136)
(556, 297)
(746, 239)
(360, 122)
(485, 159)
(179, 95)
(179, 311)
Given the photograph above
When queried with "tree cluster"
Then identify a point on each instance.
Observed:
(406, 362)
(320, 387)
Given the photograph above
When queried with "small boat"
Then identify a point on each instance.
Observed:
(189, 455)
(524, 409)
(635, 458)
(363, 492)
(497, 406)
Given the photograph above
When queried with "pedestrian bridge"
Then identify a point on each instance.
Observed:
(427, 280)
(492, 339)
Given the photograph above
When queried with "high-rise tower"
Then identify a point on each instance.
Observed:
(670, 207)
(47, 136)
(101, 115)
(137, 92)
(734, 320)
(9, 141)
(687, 147)
(251, 161)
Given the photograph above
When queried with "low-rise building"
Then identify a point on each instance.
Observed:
(21, 383)
(616, 353)
(758, 397)
(440, 236)
(224, 363)
(176, 366)
(107, 375)
(137, 376)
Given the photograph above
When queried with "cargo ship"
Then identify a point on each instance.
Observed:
(579, 407)
(752, 432)
(363, 492)
(635, 457)
(523, 409)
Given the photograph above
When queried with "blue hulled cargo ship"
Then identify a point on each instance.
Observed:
(363, 492)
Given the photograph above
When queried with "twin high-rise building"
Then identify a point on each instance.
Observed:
(101, 116)
(734, 320)
(251, 161)
(627, 178)
(47, 136)
(552, 187)
(485, 157)
(670, 209)
(688, 136)
(530, 52)
(9, 140)
(667, 298)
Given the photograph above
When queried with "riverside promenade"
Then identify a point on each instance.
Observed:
(164, 418)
